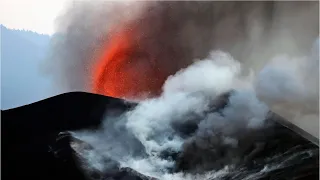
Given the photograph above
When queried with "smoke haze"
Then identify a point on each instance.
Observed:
(174, 34)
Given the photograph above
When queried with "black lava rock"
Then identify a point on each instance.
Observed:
(28, 132)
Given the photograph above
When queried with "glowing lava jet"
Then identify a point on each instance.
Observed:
(125, 70)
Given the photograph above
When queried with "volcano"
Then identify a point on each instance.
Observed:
(36, 144)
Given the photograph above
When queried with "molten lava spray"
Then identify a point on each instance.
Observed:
(125, 71)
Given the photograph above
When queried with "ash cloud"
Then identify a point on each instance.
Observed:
(80, 34)
(174, 34)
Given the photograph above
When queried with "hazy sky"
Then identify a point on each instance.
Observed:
(35, 15)
(23, 84)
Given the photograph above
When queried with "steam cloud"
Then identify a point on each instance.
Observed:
(188, 117)
(158, 123)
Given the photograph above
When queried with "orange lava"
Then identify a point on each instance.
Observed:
(125, 71)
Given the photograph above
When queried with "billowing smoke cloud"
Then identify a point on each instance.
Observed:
(174, 34)
(190, 116)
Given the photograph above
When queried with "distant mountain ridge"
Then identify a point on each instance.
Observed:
(22, 55)
(37, 38)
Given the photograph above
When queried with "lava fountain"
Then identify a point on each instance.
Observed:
(125, 70)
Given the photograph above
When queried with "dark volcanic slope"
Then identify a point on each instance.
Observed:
(29, 134)
(28, 131)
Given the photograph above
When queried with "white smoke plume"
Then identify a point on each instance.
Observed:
(187, 96)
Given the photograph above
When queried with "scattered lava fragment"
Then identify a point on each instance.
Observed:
(125, 70)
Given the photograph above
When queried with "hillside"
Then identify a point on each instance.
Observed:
(21, 79)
